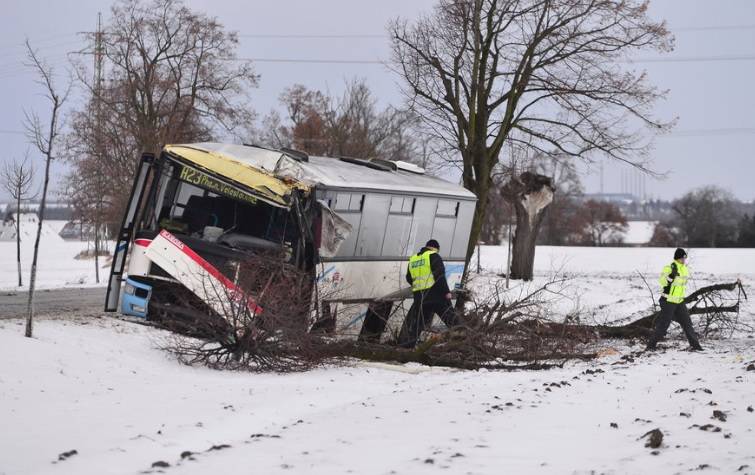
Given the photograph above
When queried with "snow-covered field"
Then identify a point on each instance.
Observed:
(56, 266)
(639, 232)
(102, 387)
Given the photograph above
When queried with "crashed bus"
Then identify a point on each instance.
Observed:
(197, 210)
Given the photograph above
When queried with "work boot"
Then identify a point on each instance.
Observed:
(696, 347)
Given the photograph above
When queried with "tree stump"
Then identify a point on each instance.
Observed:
(531, 194)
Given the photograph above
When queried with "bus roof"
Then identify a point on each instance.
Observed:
(281, 167)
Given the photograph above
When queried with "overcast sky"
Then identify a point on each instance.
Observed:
(710, 75)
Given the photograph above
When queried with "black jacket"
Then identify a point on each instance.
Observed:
(440, 288)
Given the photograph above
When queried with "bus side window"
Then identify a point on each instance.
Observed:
(398, 229)
(444, 225)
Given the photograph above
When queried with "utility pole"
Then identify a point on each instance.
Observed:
(99, 57)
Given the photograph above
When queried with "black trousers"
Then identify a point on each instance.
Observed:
(421, 314)
(677, 312)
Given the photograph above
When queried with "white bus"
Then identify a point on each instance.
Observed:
(351, 223)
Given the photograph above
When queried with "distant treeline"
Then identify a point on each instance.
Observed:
(705, 217)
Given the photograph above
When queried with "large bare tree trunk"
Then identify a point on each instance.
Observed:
(478, 220)
(530, 194)
(481, 189)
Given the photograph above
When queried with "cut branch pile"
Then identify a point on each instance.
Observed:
(502, 332)
(236, 338)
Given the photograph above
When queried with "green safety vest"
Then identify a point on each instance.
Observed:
(421, 272)
(674, 290)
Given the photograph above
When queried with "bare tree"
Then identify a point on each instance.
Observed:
(746, 231)
(18, 178)
(171, 76)
(350, 125)
(539, 74)
(706, 217)
(602, 223)
(664, 236)
(90, 202)
(44, 138)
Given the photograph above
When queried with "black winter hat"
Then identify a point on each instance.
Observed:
(679, 253)
(433, 243)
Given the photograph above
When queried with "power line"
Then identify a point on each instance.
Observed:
(383, 35)
(715, 28)
(369, 35)
(678, 133)
(692, 59)
(37, 41)
(711, 132)
(23, 69)
(19, 54)
(316, 61)
(313, 36)
(679, 59)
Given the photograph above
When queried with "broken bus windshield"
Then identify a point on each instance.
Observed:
(189, 202)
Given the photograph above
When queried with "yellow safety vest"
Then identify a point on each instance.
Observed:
(674, 290)
(421, 272)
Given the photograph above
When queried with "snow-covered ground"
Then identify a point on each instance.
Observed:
(56, 266)
(101, 387)
(639, 232)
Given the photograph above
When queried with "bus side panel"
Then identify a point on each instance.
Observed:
(370, 280)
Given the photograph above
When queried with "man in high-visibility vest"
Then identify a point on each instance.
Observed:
(673, 282)
(427, 276)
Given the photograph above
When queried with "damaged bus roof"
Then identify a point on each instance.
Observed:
(274, 173)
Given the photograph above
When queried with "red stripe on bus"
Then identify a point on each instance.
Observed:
(210, 269)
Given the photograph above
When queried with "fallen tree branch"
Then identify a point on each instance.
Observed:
(702, 291)
(643, 327)
(432, 354)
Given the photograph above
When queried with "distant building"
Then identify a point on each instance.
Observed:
(615, 198)
(54, 211)
(633, 207)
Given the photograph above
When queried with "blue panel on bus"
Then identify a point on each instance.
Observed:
(135, 298)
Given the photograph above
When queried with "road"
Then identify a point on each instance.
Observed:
(53, 302)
